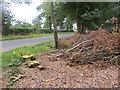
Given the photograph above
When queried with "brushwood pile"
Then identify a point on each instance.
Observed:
(99, 45)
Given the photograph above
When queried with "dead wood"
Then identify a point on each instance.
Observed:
(82, 43)
(96, 46)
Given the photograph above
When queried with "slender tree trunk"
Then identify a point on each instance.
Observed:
(78, 26)
(77, 17)
(54, 25)
(67, 28)
(50, 23)
(79, 23)
(81, 27)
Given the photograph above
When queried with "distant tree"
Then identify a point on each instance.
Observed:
(22, 1)
(37, 21)
(45, 9)
(6, 18)
(0, 19)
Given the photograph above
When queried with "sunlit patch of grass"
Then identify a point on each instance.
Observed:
(13, 56)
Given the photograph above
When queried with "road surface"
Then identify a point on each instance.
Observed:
(12, 44)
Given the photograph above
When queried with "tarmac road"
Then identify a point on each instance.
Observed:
(12, 44)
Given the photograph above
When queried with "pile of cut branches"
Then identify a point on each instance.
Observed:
(89, 48)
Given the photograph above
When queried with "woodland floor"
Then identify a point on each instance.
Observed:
(58, 74)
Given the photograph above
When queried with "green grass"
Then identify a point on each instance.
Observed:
(13, 37)
(13, 57)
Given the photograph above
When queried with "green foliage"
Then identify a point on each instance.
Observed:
(45, 8)
(6, 18)
(46, 31)
(89, 15)
(23, 28)
(37, 21)
(12, 59)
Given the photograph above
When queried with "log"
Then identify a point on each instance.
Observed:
(82, 43)
(78, 45)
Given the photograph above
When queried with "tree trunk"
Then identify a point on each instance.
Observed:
(54, 25)
(67, 28)
(77, 17)
(50, 23)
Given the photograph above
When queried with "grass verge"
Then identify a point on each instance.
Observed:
(11, 59)
(13, 37)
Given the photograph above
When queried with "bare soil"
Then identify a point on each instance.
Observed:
(59, 74)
